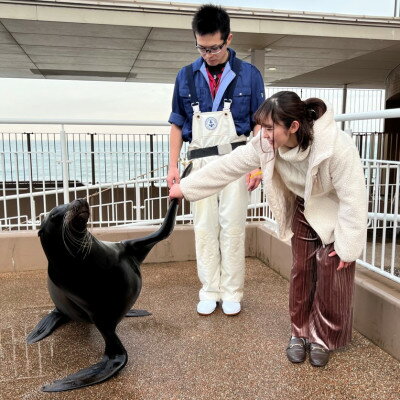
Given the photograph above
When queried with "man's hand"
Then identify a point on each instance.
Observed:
(173, 176)
(175, 192)
(253, 179)
(342, 264)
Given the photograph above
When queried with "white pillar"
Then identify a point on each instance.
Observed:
(344, 104)
(258, 60)
(64, 161)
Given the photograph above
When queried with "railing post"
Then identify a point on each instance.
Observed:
(137, 195)
(4, 178)
(64, 161)
(92, 157)
(344, 104)
(29, 147)
(151, 157)
(32, 199)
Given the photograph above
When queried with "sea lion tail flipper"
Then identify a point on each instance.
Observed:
(137, 313)
(92, 375)
(114, 359)
(47, 325)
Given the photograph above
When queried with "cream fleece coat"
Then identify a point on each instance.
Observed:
(335, 198)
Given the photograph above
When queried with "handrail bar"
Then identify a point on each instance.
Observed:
(78, 188)
(389, 113)
(80, 121)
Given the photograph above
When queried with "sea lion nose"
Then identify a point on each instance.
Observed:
(83, 204)
(80, 208)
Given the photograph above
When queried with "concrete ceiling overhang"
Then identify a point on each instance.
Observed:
(143, 41)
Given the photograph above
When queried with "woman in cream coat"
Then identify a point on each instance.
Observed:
(315, 187)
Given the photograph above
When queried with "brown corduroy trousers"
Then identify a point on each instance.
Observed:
(320, 299)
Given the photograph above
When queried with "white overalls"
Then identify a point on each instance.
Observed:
(219, 220)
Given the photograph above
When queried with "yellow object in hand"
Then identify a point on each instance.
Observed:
(255, 174)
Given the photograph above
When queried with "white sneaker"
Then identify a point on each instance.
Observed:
(206, 307)
(231, 307)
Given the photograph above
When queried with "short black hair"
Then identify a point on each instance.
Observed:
(210, 19)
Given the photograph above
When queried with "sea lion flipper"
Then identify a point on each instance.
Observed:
(142, 246)
(92, 375)
(47, 325)
(137, 313)
(114, 359)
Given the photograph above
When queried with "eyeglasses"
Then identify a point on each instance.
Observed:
(211, 50)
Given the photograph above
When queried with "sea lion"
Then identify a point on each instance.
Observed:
(92, 281)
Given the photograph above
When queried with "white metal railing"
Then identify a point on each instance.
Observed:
(381, 253)
(127, 193)
(382, 248)
(123, 199)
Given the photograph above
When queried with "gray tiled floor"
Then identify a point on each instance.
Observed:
(176, 354)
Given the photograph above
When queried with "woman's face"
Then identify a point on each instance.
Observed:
(278, 135)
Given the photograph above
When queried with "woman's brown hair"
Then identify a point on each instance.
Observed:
(286, 107)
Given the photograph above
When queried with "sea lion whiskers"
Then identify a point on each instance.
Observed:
(64, 228)
(81, 245)
(78, 246)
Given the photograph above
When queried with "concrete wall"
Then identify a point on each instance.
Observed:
(376, 302)
(22, 251)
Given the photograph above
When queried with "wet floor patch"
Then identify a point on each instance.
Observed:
(177, 354)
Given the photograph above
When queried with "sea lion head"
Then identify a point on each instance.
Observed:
(65, 229)
(77, 215)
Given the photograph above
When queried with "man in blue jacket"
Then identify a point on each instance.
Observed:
(212, 107)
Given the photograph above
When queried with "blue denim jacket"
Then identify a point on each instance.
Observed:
(248, 95)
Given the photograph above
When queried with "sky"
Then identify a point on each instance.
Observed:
(35, 98)
(45, 98)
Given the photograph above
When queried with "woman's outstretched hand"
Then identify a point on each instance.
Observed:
(175, 192)
(342, 264)
(253, 179)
